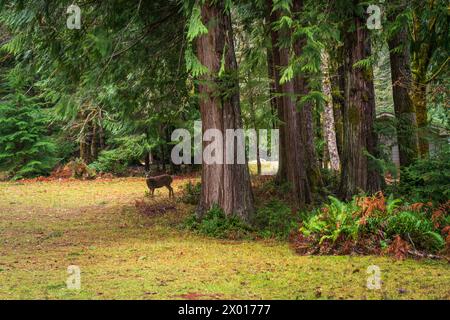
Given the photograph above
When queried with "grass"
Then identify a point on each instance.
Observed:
(47, 226)
(267, 168)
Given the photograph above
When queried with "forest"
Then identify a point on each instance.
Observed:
(224, 149)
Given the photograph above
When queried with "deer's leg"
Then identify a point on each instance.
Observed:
(171, 195)
(152, 192)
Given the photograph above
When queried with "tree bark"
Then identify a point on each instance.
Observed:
(147, 162)
(296, 161)
(272, 81)
(358, 173)
(274, 73)
(339, 103)
(328, 115)
(421, 59)
(306, 114)
(406, 122)
(255, 126)
(419, 98)
(225, 185)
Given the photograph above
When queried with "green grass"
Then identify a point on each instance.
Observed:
(45, 227)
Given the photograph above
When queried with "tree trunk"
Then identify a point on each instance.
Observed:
(86, 145)
(258, 155)
(406, 123)
(84, 151)
(163, 158)
(225, 185)
(94, 142)
(147, 162)
(296, 161)
(421, 59)
(272, 83)
(339, 103)
(328, 115)
(274, 73)
(359, 174)
(255, 126)
(419, 98)
(306, 115)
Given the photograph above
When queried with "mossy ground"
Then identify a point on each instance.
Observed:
(47, 226)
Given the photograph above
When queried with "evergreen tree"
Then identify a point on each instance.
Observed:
(25, 148)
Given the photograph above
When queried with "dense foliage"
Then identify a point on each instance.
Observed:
(25, 146)
(106, 98)
(428, 179)
(373, 225)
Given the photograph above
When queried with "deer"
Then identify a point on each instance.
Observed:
(158, 182)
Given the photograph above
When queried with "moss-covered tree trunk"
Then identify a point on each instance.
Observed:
(405, 113)
(419, 99)
(359, 174)
(422, 52)
(225, 185)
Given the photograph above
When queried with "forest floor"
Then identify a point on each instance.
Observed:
(47, 226)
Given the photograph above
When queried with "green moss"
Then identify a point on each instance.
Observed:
(353, 115)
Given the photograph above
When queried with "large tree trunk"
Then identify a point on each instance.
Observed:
(272, 81)
(328, 115)
(339, 102)
(401, 87)
(274, 73)
(225, 185)
(296, 160)
(359, 174)
(421, 59)
(419, 99)
(306, 114)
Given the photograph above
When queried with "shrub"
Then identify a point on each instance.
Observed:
(428, 179)
(331, 181)
(416, 228)
(371, 224)
(216, 224)
(116, 161)
(266, 188)
(79, 170)
(111, 161)
(191, 193)
(275, 220)
(25, 148)
(333, 221)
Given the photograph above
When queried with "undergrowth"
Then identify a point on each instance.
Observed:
(365, 225)
(374, 225)
(216, 224)
(272, 221)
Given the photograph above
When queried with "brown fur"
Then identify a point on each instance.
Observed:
(159, 182)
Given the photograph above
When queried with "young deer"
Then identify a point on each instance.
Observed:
(158, 182)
